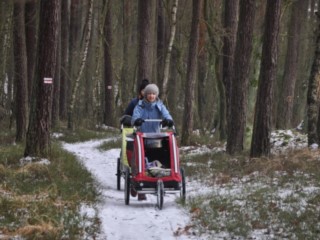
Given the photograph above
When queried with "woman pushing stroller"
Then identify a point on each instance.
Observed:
(151, 107)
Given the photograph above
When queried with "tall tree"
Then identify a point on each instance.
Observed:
(168, 55)
(108, 72)
(161, 42)
(38, 135)
(260, 144)
(57, 80)
(65, 25)
(313, 96)
(202, 75)
(21, 75)
(145, 41)
(231, 8)
(285, 107)
(31, 39)
(240, 78)
(125, 86)
(187, 125)
(5, 46)
(79, 75)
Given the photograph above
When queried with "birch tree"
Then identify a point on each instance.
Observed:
(168, 55)
(82, 66)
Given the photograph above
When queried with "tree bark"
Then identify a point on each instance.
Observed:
(240, 78)
(168, 55)
(313, 95)
(125, 89)
(108, 72)
(231, 9)
(38, 135)
(260, 144)
(145, 48)
(285, 107)
(83, 63)
(21, 73)
(57, 82)
(65, 25)
(202, 75)
(187, 125)
(5, 45)
(31, 39)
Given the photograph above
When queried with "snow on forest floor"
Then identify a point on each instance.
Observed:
(248, 206)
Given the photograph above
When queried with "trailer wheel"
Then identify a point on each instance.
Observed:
(118, 174)
(183, 185)
(127, 186)
(160, 193)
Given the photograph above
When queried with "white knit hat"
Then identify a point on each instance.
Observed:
(151, 88)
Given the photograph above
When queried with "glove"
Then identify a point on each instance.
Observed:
(167, 122)
(138, 122)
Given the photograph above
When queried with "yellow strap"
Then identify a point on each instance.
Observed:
(125, 132)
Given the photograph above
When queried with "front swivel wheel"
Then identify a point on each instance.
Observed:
(160, 193)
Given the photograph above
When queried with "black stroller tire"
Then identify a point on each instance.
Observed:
(127, 185)
(118, 174)
(160, 194)
(183, 185)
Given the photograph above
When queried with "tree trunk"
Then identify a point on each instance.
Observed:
(313, 96)
(240, 78)
(161, 43)
(57, 82)
(83, 63)
(231, 9)
(168, 55)
(285, 107)
(5, 45)
(31, 39)
(145, 48)
(187, 125)
(202, 75)
(21, 74)
(125, 89)
(260, 144)
(38, 135)
(108, 72)
(65, 24)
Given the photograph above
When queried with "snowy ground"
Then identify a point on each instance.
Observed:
(139, 219)
(142, 219)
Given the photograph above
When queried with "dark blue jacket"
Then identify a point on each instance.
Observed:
(131, 106)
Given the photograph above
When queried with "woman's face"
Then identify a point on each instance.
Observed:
(151, 97)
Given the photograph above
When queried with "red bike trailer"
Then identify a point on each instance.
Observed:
(143, 149)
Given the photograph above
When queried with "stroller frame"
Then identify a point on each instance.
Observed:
(133, 163)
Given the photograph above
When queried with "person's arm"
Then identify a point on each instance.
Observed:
(130, 107)
(164, 112)
(137, 113)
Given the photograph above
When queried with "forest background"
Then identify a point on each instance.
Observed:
(241, 68)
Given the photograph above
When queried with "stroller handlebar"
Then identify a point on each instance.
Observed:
(153, 120)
